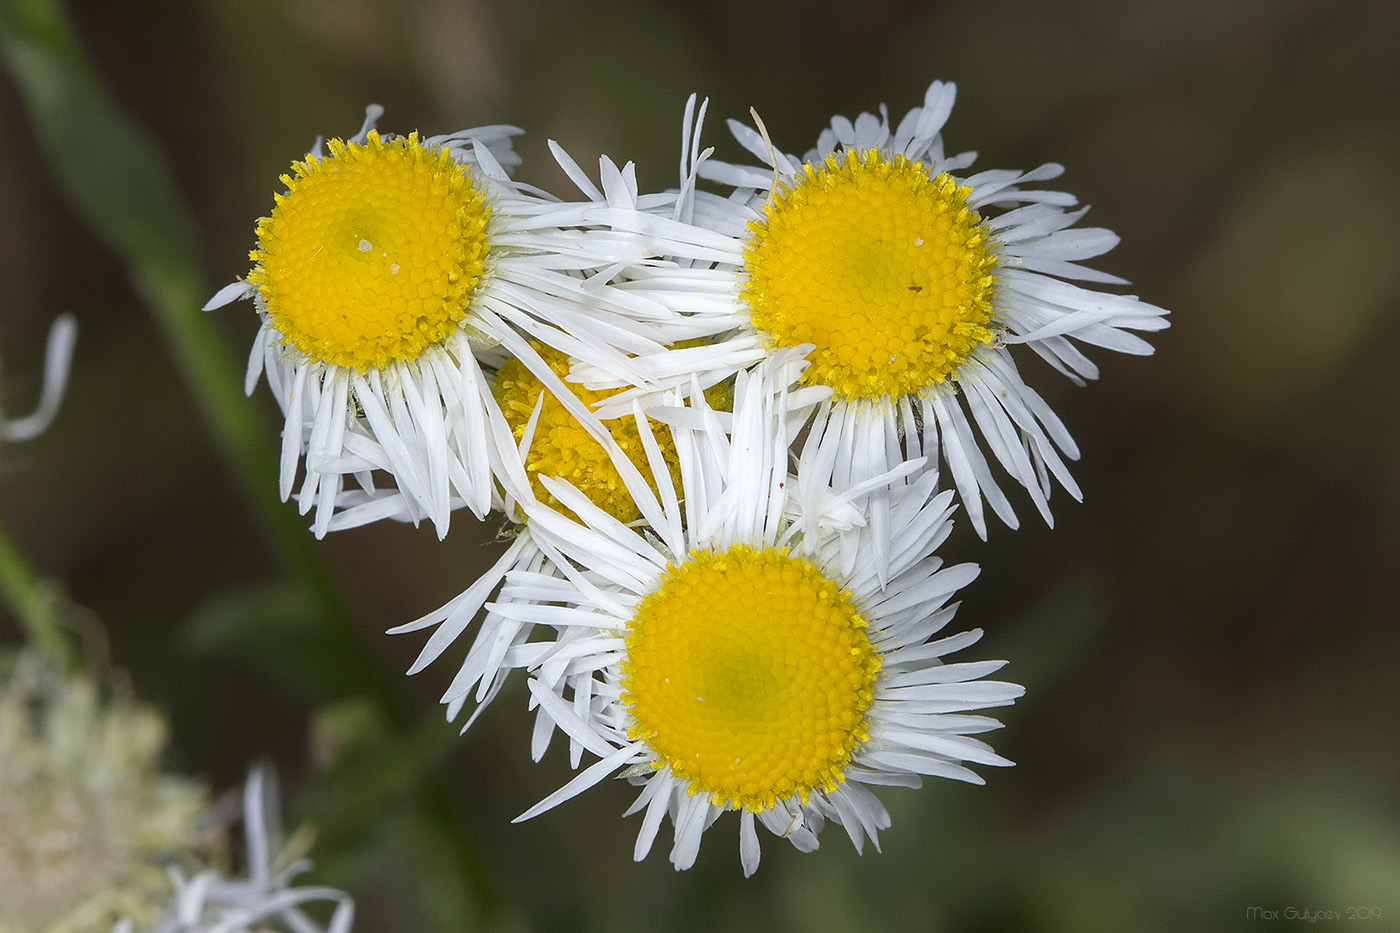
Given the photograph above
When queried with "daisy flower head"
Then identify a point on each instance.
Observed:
(915, 281)
(743, 653)
(391, 277)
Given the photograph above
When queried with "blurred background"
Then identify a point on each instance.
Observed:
(1209, 642)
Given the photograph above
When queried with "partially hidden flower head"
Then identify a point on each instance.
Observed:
(265, 900)
(393, 275)
(741, 652)
(917, 281)
(63, 335)
(88, 820)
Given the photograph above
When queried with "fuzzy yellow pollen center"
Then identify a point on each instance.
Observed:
(749, 672)
(560, 447)
(373, 253)
(880, 265)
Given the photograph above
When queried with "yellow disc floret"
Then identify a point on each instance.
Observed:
(882, 266)
(562, 448)
(749, 672)
(373, 253)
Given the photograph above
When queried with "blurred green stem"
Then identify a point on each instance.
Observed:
(117, 180)
(35, 602)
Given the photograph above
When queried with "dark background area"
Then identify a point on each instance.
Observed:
(1210, 641)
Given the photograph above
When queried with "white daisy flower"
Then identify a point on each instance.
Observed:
(742, 653)
(264, 901)
(393, 269)
(913, 279)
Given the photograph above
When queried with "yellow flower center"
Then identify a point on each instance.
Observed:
(749, 672)
(373, 253)
(882, 266)
(562, 448)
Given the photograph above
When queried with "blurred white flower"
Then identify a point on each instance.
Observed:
(87, 819)
(266, 899)
(63, 335)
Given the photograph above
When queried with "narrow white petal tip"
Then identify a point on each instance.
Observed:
(58, 359)
(227, 295)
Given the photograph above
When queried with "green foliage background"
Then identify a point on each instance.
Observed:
(1210, 642)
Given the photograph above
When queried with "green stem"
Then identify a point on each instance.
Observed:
(123, 189)
(117, 180)
(36, 602)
